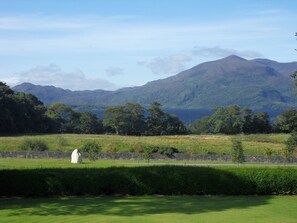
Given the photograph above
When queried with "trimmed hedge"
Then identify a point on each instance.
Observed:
(167, 180)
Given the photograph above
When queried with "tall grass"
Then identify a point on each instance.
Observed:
(195, 144)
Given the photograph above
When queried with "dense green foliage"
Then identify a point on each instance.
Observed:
(232, 120)
(237, 151)
(165, 150)
(126, 120)
(66, 120)
(130, 119)
(166, 180)
(93, 149)
(286, 122)
(34, 145)
(20, 112)
(292, 143)
(24, 113)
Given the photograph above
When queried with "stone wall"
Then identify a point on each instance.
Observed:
(155, 156)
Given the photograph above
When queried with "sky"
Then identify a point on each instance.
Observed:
(110, 44)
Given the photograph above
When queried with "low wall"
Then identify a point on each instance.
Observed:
(156, 156)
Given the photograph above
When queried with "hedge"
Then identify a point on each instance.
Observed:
(166, 180)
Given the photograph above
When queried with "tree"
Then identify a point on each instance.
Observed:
(286, 122)
(147, 153)
(30, 114)
(226, 120)
(292, 143)
(65, 119)
(294, 75)
(126, 120)
(261, 123)
(113, 119)
(134, 119)
(255, 122)
(7, 103)
(156, 120)
(20, 112)
(174, 126)
(200, 126)
(93, 149)
(5, 90)
(237, 151)
(89, 124)
(232, 120)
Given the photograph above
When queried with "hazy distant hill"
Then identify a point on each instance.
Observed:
(258, 84)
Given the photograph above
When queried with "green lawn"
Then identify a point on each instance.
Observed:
(178, 209)
(197, 144)
(23, 163)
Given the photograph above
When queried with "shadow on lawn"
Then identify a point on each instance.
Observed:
(128, 206)
(166, 180)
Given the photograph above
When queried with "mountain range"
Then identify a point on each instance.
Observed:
(257, 84)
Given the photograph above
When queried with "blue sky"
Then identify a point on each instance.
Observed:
(97, 44)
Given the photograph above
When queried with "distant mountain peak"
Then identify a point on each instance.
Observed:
(256, 84)
(234, 57)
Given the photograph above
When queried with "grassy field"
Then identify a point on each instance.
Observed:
(229, 209)
(23, 163)
(195, 144)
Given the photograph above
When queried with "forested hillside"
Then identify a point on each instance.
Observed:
(258, 84)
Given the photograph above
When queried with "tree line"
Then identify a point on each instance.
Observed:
(236, 120)
(232, 120)
(24, 113)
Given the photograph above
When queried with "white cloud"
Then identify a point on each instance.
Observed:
(168, 65)
(30, 23)
(26, 34)
(53, 75)
(114, 71)
(223, 52)
(87, 39)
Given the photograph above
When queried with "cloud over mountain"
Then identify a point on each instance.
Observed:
(257, 84)
(53, 75)
(167, 65)
(217, 51)
(114, 71)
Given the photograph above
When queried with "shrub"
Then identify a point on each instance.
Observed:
(267, 152)
(237, 151)
(164, 150)
(165, 180)
(113, 150)
(137, 148)
(292, 143)
(93, 150)
(285, 154)
(147, 153)
(167, 150)
(34, 145)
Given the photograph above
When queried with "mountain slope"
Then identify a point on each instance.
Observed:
(51, 94)
(257, 84)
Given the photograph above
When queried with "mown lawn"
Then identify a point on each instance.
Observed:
(23, 163)
(229, 209)
(196, 144)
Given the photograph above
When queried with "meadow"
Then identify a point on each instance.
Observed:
(195, 144)
(23, 163)
(151, 209)
(144, 208)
